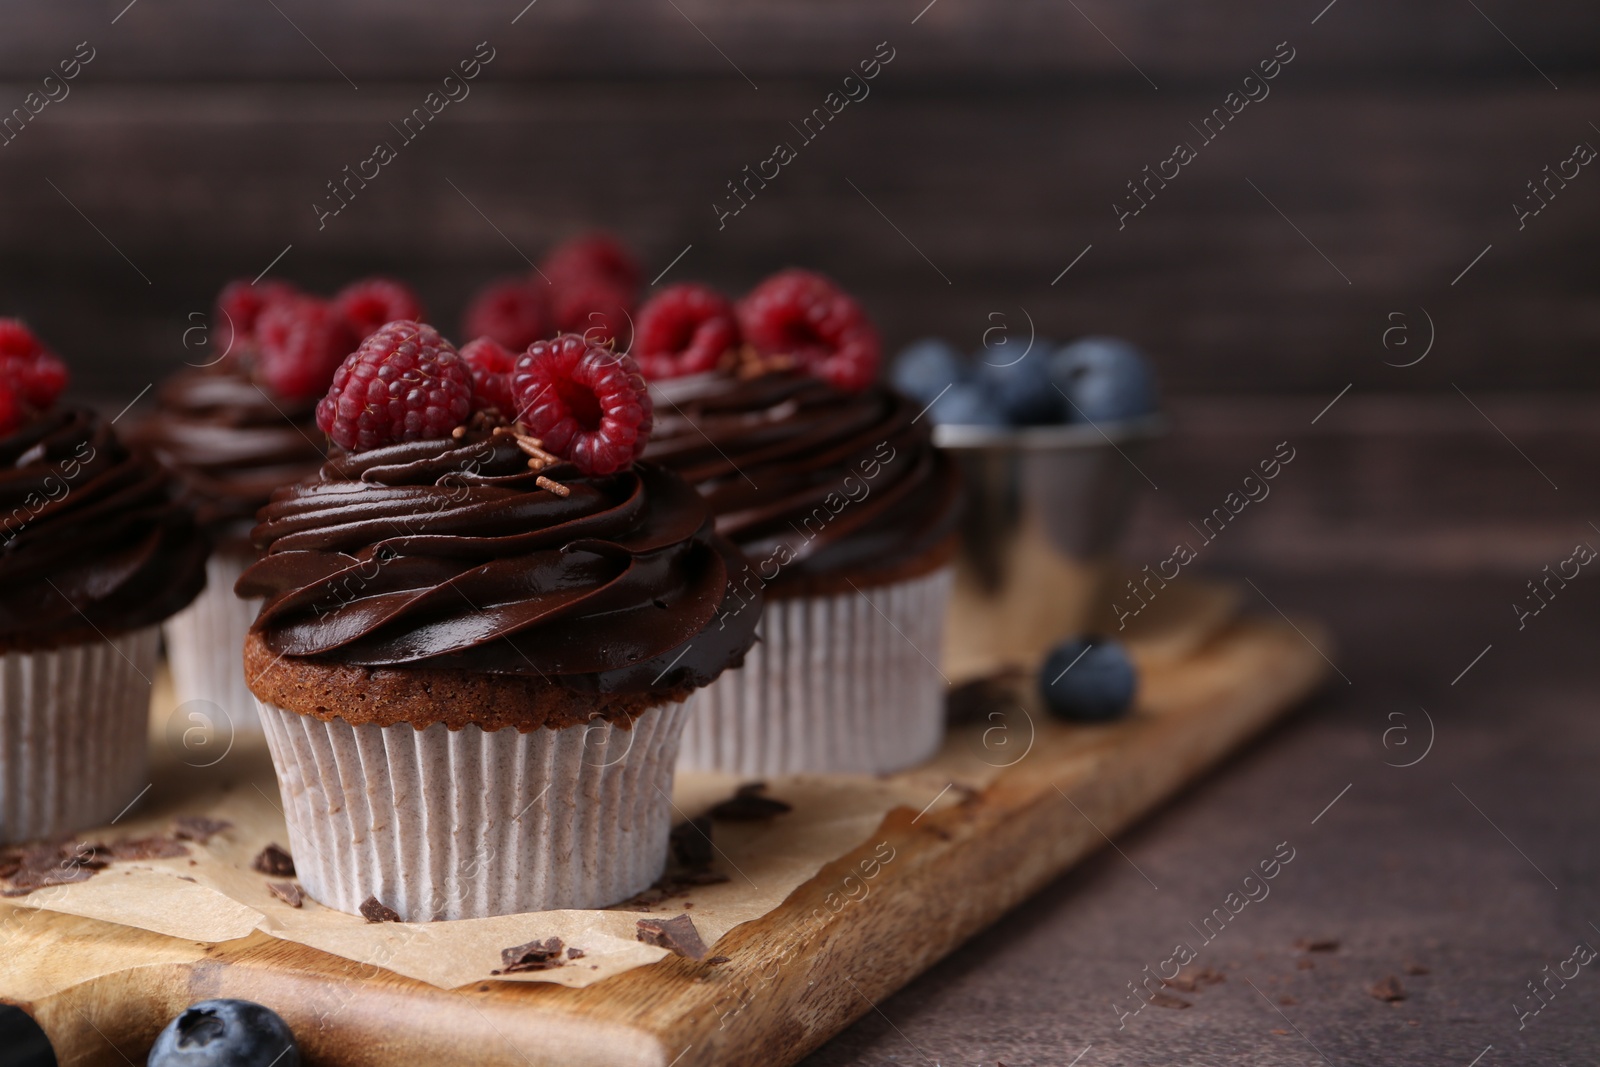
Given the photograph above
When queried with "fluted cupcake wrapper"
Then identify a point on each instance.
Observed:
(205, 644)
(74, 725)
(846, 683)
(460, 824)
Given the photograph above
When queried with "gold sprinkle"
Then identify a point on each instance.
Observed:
(458, 433)
(555, 487)
(536, 464)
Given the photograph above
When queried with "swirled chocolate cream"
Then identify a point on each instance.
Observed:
(820, 487)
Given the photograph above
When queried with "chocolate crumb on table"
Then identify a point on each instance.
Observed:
(156, 847)
(748, 804)
(715, 960)
(677, 935)
(60, 862)
(376, 911)
(1388, 989)
(275, 861)
(574, 953)
(198, 828)
(1167, 1000)
(536, 955)
(691, 844)
(287, 892)
(1317, 944)
(1416, 969)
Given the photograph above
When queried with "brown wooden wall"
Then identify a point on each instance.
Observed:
(987, 156)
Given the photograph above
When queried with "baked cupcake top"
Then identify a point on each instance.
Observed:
(536, 590)
(237, 429)
(92, 540)
(816, 484)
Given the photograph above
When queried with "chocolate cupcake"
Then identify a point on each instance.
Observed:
(94, 553)
(473, 654)
(847, 514)
(234, 431)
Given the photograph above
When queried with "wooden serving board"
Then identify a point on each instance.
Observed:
(864, 926)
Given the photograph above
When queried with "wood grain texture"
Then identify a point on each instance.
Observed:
(940, 209)
(797, 975)
(641, 39)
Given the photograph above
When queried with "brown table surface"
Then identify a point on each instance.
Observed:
(1479, 863)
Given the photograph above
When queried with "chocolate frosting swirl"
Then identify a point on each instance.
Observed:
(812, 482)
(231, 444)
(92, 539)
(446, 554)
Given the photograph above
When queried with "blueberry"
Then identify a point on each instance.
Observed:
(1088, 679)
(226, 1033)
(1019, 382)
(1106, 378)
(966, 405)
(924, 368)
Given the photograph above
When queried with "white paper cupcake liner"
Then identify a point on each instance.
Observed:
(205, 644)
(74, 725)
(846, 683)
(462, 824)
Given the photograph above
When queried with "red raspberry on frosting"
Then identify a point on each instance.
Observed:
(300, 343)
(491, 364)
(684, 329)
(405, 383)
(594, 255)
(368, 303)
(805, 315)
(513, 311)
(595, 308)
(31, 376)
(585, 402)
(239, 307)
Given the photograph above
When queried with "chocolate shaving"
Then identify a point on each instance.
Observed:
(287, 892)
(156, 847)
(1319, 944)
(60, 862)
(971, 702)
(1388, 989)
(198, 828)
(275, 861)
(376, 911)
(574, 953)
(678, 935)
(691, 845)
(536, 955)
(715, 960)
(749, 805)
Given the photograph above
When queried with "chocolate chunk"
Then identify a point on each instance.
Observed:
(1320, 944)
(198, 828)
(287, 892)
(1387, 989)
(275, 861)
(971, 702)
(1165, 1000)
(749, 805)
(536, 955)
(691, 844)
(715, 960)
(677, 934)
(574, 953)
(376, 911)
(157, 847)
(10, 862)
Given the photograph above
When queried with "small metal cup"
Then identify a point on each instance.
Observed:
(1045, 507)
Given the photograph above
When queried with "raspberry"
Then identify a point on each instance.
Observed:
(513, 311)
(32, 375)
(405, 383)
(301, 343)
(595, 255)
(595, 308)
(11, 411)
(684, 329)
(368, 303)
(805, 315)
(587, 403)
(239, 307)
(491, 364)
